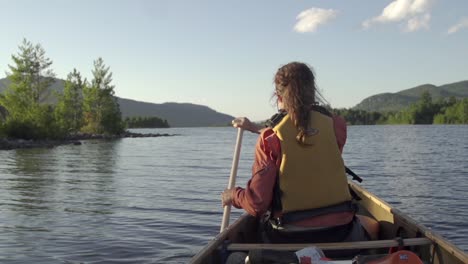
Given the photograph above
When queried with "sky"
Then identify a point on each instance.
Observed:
(224, 54)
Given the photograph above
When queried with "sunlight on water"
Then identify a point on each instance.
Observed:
(157, 200)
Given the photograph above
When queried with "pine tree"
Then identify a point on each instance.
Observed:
(30, 77)
(101, 109)
(69, 109)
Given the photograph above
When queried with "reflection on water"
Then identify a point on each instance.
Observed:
(53, 198)
(419, 169)
(30, 187)
(156, 200)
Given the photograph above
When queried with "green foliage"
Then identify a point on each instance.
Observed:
(455, 113)
(425, 111)
(41, 125)
(360, 117)
(30, 78)
(101, 109)
(69, 108)
(385, 102)
(422, 112)
(25, 114)
(146, 122)
(20, 129)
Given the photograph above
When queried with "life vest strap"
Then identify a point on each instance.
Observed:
(295, 216)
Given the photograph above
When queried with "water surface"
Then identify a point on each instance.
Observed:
(157, 200)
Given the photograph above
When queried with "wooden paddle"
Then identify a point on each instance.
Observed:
(232, 178)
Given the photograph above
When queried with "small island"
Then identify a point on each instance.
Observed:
(33, 114)
(8, 144)
(36, 112)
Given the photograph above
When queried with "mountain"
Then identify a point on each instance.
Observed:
(397, 101)
(176, 114)
(56, 86)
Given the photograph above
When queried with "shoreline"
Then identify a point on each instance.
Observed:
(10, 144)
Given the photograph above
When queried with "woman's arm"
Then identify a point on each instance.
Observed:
(245, 123)
(256, 197)
(340, 131)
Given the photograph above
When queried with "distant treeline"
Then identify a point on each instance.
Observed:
(27, 112)
(146, 122)
(425, 111)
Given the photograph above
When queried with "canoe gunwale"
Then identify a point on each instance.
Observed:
(416, 235)
(438, 242)
(219, 239)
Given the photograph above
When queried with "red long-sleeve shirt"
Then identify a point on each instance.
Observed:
(256, 197)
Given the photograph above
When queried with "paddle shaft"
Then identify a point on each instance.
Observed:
(232, 177)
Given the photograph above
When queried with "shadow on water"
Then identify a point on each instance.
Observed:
(56, 201)
(32, 180)
(41, 176)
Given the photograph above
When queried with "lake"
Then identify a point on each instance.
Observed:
(157, 200)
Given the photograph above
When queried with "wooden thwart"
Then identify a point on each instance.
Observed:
(334, 246)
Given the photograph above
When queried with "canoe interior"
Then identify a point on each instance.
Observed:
(393, 224)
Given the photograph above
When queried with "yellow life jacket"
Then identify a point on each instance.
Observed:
(312, 175)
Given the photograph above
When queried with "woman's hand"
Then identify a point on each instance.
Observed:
(226, 197)
(245, 123)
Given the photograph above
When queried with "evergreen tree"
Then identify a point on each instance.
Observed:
(101, 109)
(69, 109)
(423, 112)
(146, 122)
(454, 114)
(30, 77)
(463, 111)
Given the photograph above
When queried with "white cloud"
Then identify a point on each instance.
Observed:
(414, 12)
(417, 23)
(460, 25)
(420, 6)
(309, 20)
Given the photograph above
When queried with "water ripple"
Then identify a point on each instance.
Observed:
(157, 200)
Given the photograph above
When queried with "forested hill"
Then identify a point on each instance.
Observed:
(176, 114)
(397, 101)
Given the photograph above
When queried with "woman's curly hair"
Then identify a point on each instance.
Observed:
(295, 83)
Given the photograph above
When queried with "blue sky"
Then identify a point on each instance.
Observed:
(224, 54)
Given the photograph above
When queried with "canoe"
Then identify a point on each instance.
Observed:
(397, 230)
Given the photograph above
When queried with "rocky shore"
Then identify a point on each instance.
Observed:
(7, 144)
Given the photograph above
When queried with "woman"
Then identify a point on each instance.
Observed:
(298, 176)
